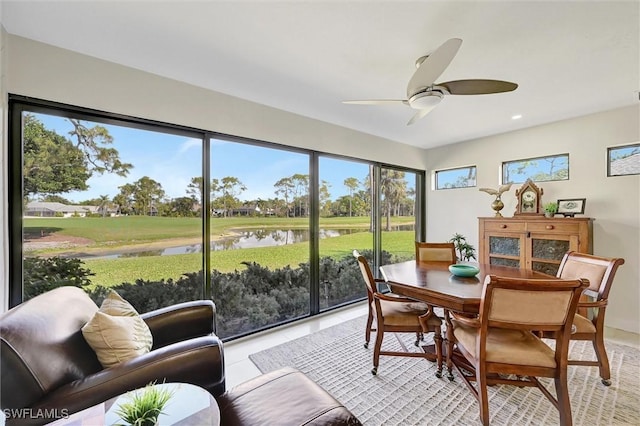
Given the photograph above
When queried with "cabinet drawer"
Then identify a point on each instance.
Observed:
(505, 226)
(554, 227)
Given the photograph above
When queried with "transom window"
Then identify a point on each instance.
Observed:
(538, 169)
(461, 177)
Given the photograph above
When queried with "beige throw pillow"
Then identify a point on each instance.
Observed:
(116, 332)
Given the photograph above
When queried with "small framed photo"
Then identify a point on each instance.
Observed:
(571, 207)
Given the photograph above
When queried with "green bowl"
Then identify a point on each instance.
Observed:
(460, 270)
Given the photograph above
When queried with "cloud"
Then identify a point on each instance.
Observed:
(187, 144)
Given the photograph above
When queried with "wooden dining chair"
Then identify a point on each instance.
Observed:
(435, 252)
(600, 272)
(501, 340)
(396, 314)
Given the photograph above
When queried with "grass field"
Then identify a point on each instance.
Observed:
(122, 232)
(115, 271)
(125, 230)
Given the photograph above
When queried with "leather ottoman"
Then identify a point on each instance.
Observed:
(282, 397)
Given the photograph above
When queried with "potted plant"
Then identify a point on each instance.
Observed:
(464, 250)
(550, 209)
(145, 405)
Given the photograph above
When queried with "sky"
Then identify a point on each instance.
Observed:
(173, 160)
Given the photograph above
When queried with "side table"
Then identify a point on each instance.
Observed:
(189, 405)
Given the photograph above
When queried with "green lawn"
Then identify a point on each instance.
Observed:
(125, 230)
(112, 233)
(115, 271)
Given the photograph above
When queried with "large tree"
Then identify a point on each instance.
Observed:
(124, 199)
(393, 187)
(301, 193)
(147, 194)
(324, 198)
(352, 184)
(93, 143)
(53, 164)
(230, 187)
(285, 187)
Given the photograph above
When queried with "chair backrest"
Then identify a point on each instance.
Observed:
(435, 252)
(600, 271)
(42, 347)
(366, 274)
(529, 304)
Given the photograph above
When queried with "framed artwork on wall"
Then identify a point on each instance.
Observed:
(572, 206)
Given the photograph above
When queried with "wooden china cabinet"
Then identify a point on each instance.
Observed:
(533, 242)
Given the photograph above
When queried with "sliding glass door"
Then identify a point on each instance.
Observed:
(397, 215)
(345, 224)
(259, 235)
(107, 207)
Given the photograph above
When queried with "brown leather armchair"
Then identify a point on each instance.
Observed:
(46, 363)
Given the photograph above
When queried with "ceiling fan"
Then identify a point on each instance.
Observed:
(423, 94)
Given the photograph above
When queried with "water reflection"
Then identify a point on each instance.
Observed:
(246, 239)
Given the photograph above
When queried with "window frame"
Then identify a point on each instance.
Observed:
(18, 105)
(609, 161)
(504, 163)
(469, 167)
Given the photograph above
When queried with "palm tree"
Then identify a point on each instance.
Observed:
(351, 183)
(104, 204)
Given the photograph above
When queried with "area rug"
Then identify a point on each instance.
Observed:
(406, 391)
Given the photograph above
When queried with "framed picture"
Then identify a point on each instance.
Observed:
(571, 207)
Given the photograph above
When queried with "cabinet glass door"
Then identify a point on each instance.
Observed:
(504, 251)
(547, 252)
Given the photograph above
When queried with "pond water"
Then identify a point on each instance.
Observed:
(246, 239)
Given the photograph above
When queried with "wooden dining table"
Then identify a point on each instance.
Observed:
(433, 284)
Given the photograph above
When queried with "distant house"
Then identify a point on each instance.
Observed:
(48, 209)
(246, 210)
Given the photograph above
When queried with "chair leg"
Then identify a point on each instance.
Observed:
(483, 398)
(376, 349)
(419, 337)
(564, 404)
(603, 359)
(367, 333)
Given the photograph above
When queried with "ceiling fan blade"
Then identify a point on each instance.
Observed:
(433, 66)
(377, 102)
(421, 113)
(478, 87)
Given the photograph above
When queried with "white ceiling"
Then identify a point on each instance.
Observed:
(569, 58)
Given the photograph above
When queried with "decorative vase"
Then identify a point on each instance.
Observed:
(497, 205)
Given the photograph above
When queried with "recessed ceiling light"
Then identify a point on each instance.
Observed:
(516, 117)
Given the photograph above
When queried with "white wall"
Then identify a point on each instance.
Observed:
(614, 202)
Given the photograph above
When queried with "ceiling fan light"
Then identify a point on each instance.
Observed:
(425, 100)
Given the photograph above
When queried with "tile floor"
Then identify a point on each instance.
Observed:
(239, 367)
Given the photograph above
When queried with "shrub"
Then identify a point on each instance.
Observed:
(44, 274)
(246, 300)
